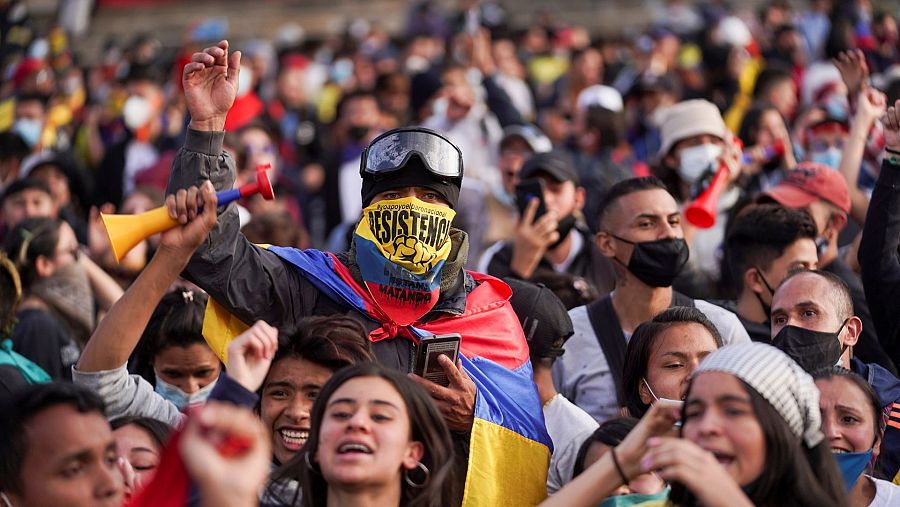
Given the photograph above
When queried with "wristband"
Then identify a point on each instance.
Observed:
(892, 152)
(612, 451)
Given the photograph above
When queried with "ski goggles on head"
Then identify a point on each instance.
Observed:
(391, 150)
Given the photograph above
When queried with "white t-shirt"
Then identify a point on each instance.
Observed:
(568, 426)
(583, 375)
(887, 494)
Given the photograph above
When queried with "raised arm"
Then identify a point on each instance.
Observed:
(871, 104)
(249, 281)
(118, 333)
(878, 251)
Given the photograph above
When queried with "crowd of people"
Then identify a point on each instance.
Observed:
(503, 265)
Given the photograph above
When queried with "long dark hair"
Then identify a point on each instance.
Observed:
(333, 341)
(794, 474)
(426, 425)
(878, 422)
(637, 352)
(177, 321)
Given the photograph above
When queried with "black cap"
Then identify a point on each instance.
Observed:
(543, 316)
(558, 164)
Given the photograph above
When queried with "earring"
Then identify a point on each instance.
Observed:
(421, 466)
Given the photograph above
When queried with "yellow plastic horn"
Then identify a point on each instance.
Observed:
(126, 231)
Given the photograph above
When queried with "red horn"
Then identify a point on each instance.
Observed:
(702, 212)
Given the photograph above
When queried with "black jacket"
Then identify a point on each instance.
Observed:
(879, 258)
(255, 284)
(589, 264)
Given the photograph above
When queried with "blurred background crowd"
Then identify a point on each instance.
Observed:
(784, 99)
(89, 131)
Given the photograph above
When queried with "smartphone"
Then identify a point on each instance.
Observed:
(526, 191)
(426, 363)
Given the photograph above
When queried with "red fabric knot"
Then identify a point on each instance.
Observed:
(390, 330)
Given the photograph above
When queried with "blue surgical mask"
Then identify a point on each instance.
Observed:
(634, 499)
(830, 157)
(29, 130)
(181, 399)
(852, 465)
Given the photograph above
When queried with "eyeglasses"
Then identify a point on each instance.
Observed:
(391, 150)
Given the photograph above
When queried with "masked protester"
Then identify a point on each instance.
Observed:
(852, 423)
(823, 193)
(813, 322)
(172, 354)
(763, 245)
(641, 234)
(402, 279)
(694, 144)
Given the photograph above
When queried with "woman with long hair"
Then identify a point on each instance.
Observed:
(375, 436)
(853, 424)
(750, 434)
(662, 354)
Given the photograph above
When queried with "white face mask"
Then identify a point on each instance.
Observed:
(136, 112)
(181, 399)
(245, 82)
(696, 160)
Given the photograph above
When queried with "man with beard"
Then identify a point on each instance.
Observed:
(557, 241)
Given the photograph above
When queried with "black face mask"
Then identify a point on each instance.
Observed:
(564, 227)
(766, 308)
(812, 350)
(657, 263)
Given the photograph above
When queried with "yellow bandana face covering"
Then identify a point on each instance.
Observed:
(401, 246)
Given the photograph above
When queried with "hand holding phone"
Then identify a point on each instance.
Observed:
(528, 190)
(426, 363)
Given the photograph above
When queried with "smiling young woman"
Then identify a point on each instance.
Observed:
(375, 436)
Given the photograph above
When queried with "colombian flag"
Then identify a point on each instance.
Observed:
(509, 450)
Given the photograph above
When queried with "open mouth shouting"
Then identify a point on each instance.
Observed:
(724, 459)
(353, 449)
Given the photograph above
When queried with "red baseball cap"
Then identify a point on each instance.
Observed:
(809, 182)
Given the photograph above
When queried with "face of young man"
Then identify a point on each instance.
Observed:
(70, 460)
